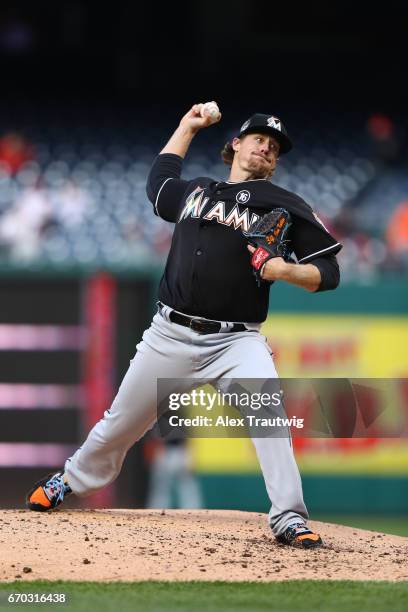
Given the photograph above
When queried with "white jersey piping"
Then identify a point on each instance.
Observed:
(248, 181)
(157, 198)
(319, 252)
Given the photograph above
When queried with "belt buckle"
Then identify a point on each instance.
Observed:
(197, 325)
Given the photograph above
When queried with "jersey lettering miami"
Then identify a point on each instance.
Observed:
(237, 218)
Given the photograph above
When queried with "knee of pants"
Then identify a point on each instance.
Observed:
(114, 426)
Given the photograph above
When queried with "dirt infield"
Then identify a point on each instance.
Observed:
(132, 545)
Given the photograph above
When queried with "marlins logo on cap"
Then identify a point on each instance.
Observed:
(274, 122)
(268, 124)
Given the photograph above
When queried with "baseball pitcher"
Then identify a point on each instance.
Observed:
(232, 240)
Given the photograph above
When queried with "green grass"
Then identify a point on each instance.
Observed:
(302, 595)
(397, 525)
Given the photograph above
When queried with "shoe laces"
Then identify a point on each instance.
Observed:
(55, 487)
(297, 529)
(299, 526)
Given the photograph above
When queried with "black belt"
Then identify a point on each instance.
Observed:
(201, 326)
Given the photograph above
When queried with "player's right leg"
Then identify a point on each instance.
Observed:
(163, 353)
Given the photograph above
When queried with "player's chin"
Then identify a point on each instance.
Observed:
(260, 168)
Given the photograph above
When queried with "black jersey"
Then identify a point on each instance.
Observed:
(208, 271)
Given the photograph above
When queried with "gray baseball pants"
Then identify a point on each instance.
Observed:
(169, 350)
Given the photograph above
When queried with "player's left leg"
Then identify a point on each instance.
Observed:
(248, 356)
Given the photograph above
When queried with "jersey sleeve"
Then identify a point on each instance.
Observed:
(310, 239)
(165, 188)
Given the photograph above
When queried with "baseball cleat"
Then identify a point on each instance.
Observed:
(298, 534)
(48, 493)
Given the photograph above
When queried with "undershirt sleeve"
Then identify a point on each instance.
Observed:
(329, 271)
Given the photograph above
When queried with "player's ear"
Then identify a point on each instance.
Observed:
(236, 143)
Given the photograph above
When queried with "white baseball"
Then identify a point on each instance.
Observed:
(211, 109)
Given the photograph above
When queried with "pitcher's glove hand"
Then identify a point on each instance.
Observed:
(268, 236)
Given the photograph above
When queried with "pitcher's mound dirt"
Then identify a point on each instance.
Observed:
(131, 545)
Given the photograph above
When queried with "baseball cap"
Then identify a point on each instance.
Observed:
(271, 125)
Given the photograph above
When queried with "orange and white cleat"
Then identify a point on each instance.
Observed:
(298, 534)
(48, 493)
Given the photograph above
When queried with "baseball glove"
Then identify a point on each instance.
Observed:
(267, 235)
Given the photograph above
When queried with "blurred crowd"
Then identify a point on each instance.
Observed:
(65, 202)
